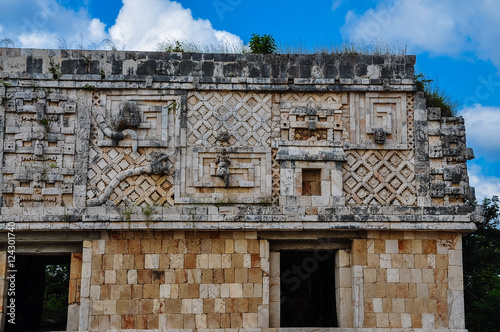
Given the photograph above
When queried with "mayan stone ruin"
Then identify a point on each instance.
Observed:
(230, 192)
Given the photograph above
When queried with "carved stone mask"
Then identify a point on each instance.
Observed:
(223, 136)
(127, 117)
(379, 136)
(159, 163)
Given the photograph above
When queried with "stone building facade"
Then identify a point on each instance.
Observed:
(225, 192)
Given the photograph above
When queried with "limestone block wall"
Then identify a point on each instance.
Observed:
(75, 277)
(394, 281)
(410, 280)
(178, 280)
(191, 280)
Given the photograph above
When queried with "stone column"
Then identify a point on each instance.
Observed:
(75, 276)
(343, 288)
(274, 290)
(85, 301)
(456, 311)
(422, 165)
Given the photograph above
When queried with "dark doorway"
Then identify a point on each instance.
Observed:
(42, 285)
(307, 289)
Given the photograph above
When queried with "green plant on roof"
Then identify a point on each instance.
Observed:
(147, 210)
(172, 107)
(126, 213)
(88, 87)
(46, 122)
(54, 69)
(436, 97)
(264, 44)
(175, 46)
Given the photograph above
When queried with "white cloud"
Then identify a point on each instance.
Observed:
(141, 25)
(37, 40)
(483, 135)
(486, 186)
(483, 129)
(336, 4)
(445, 27)
(97, 30)
(46, 23)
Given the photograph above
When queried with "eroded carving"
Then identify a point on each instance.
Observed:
(379, 136)
(311, 124)
(223, 160)
(128, 116)
(469, 154)
(158, 165)
(39, 148)
(223, 136)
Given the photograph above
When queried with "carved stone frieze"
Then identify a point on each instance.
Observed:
(245, 117)
(382, 178)
(212, 176)
(39, 147)
(374, 115)
(316, 118)
(132, 171)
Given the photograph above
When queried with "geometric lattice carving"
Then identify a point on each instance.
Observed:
(276, 177)
(379, 177)
(328, 97)
(148, 189)
(246, 117)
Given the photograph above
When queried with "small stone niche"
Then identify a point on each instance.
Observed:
(311, 182)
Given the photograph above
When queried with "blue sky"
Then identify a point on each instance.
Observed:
(455, 42)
